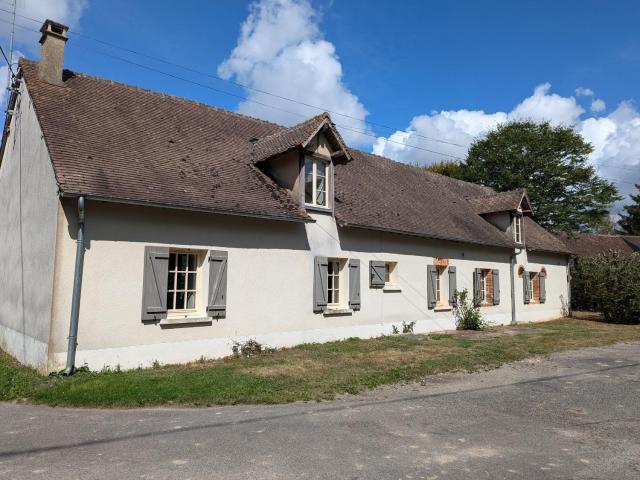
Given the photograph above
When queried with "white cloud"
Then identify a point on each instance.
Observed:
(598, 105)
(67, 12)
(281, 50)
(584, 92)
(615, 137)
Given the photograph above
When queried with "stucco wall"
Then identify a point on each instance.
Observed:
(270, 283)
(28, 215)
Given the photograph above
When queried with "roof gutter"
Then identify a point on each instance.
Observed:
(434, 237)
(142, 203)
(512, 271)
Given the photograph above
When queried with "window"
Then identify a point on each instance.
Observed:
(316, 182)
(534, 287)
(333, 282)
(182, 281)
(485, 287)
(517, 228)
(390, 273)
(440, 295)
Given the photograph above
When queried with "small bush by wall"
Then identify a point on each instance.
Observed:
(467, 315)
(610, 283)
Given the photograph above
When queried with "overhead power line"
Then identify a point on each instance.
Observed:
(238, 84)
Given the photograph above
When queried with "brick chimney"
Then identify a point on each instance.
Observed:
(54, 37)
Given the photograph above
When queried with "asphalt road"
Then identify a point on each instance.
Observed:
(573, 415)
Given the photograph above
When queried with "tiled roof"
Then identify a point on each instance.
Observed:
(538, 238)
(292, 137)
(498, 202)
(111, 140)
(376, 192)
(586, 244)
(114, 141)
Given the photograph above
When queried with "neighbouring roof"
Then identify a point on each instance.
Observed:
(588, 244)
(113, 141)
(502, 202)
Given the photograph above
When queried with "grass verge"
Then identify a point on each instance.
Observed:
(310, 371)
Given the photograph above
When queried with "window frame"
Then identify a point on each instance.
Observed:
(331, 282)
(533, 278)
(517, 228)
(441, 288)
(328, 180)
(197, 271)
(390, 273)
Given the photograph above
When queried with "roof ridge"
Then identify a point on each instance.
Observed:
(160, 94)
(287, 129)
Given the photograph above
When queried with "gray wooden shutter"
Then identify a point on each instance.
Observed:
(452, 286)
(431, 285)
(527, 286)
(477, 286)
(376, 274)
(354, 284)
(154, 283)
(496, 287)
(543, 289)
(320, 274)
(217, 303)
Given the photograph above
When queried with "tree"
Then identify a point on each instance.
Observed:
(449, 168)
(551, 163)
(630, 221)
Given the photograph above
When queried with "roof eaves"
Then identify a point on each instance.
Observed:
(303, 218)
(423, 235)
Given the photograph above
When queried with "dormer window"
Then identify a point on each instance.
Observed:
(317, 181)
(517, 228)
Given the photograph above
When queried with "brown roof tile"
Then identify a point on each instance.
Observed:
(586, 244)
(499, 202)
(115, 141)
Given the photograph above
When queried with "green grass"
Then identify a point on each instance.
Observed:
(306, 372)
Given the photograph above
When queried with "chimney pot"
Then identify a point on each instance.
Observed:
(53, 39)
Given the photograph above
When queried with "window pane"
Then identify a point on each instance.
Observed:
(170, 300)
(320, 197)
(191, 300)
(181, 280)
(172, 261)
(330, 282)
(308, 180)
(170, 283)
(192, 263)
(191, 281)
(180, 300)
(182, 261)
(321, 169)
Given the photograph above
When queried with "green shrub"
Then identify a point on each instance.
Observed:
(610, 282)
(467, 315)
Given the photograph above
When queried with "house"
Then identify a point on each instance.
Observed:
(591, 244)
(143, 227)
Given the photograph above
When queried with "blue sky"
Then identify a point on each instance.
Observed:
(443, 70)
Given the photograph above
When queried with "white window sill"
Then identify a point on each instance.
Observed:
(337, 311)
(185, 320)
(391, 288)
(318, 208)
(443, 308)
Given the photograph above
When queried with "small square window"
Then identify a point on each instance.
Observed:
(390, 272)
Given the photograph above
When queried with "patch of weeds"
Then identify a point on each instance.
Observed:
(408, 327)
(440, 336)
(466, 313)
(394, 330)
(251, 348)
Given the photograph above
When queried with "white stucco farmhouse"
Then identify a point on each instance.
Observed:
(165, 230)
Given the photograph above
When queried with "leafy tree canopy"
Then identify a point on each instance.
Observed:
(629, 221)
(551, 163)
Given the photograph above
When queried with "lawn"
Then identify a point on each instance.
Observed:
(310, 371)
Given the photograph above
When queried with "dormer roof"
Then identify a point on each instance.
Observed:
(510, 201)
(300, 136)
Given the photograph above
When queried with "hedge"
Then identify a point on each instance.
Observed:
(609, 283)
